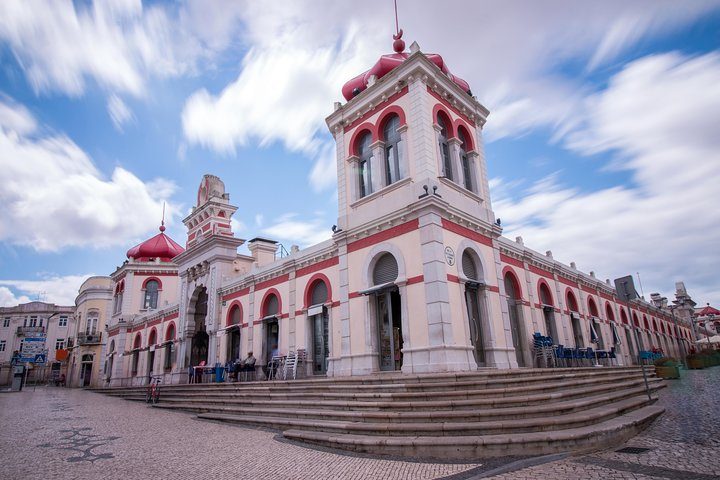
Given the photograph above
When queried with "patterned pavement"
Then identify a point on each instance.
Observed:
(682, 444)
(62, 433)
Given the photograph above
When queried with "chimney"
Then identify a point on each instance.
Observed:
(262, 250)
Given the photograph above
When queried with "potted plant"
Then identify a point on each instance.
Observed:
(667, 368)
(695, 360)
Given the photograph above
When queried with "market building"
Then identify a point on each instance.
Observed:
(416, 278)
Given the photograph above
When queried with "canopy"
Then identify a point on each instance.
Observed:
(715, 339)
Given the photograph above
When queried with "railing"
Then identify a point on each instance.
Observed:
(30, 331)
(89, 339)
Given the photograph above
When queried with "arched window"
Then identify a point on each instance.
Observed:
(571, 302)
(152, 340)
(514, 301)
(235, 317)
(364, 171)
(609, 312)
(468, 179)
(545, 295)
(392, 149)
(386, 270)
(469, 266)
(136, 354)
(319, 293)
(272, 305)
(444, 148)
(151, 295)
(592, 307)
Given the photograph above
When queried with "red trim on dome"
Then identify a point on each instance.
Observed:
(388, 63)
(160, 246)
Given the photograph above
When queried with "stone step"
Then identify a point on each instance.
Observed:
(471, 447)
(572, 420)
(521, 400)
(429, 382)
(547, 409)
(269, 393)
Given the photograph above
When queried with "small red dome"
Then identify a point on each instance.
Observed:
(388, 63)
(160, 246)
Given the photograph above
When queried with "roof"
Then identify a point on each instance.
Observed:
(708, 310)
(388, 63)
(160, 246)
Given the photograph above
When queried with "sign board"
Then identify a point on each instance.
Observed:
(33, 350)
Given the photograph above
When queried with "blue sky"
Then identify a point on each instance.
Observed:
(602, 143)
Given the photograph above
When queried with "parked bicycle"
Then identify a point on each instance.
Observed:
(153, 390)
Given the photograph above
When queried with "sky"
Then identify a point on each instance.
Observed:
(602, 145)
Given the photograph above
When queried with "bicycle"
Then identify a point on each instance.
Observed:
(153, 390)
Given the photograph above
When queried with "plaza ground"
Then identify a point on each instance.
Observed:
(53, 432)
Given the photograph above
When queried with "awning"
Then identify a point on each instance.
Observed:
(616, 337)
(377, 288)
(593, 333)
(315, 310)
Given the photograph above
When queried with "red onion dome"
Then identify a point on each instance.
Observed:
(160, 246)
(388, 63)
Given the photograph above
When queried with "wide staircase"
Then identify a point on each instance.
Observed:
(451, 416)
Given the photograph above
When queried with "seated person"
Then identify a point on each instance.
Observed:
(248, 365)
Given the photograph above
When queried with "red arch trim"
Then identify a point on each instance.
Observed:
(152, 278)
(516, 283)
(460, 124)
(264, 301)
(234, 304)
(167, 331)
(624, 317)
(437, 110)
(385, 115)
(541, 283)
(359, 131)
(318, 277)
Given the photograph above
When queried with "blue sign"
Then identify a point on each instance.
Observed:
(33, 349)
(41, 358)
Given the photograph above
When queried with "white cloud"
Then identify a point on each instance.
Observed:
(15, 117)
(305, 233)
(54, 197)
(664, 223)
(119, 112)
(60, 290)
(9, 299)
(60, 45)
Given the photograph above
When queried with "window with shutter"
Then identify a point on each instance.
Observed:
(319, 293)
(271, 305)
(386, 270)
(468, 266)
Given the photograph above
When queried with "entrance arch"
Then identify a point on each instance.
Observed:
(514, 301)
(548, 308)
(387, 312)
(200, 338)
(234, 321)
(474, 301)
(109, 363)
(318, 296)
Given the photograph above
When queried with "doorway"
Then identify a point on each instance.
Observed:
(272, 337)
(476, 335)
(320, 342)
(577, 331)
(86, 370)
(390, 329)
(200, 339)
(512, 290)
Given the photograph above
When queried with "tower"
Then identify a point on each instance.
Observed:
(211, 251)
(412, 196)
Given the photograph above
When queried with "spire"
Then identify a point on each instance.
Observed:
(399, 43)
(162, 222)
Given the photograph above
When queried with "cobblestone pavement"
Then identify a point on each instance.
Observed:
(64, 433)
(684, 443)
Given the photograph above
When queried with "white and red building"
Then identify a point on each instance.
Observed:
(417, 276)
